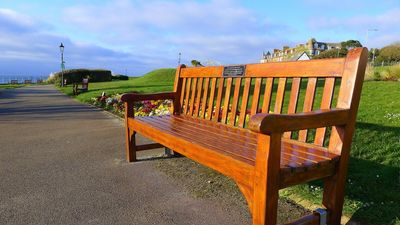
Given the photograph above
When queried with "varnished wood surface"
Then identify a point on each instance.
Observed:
(245, 99)
(311, 68)
(131, 97)
(210, 112)
(269, 123)
(341, 136)
(294, 96)
(238, 144)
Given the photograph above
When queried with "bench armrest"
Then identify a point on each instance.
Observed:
(133, 97)
(279, 123)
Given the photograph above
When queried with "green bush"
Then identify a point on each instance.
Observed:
(76, 76)
(120, 77)
(332, 53)
(394, 73)
(377, 75)
(388, 54)
(386, 73)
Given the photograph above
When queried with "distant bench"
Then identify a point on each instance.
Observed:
(84, 86)
(272, 150)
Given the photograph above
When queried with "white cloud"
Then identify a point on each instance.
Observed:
(29, 47)
(12, 21)
(219, 30)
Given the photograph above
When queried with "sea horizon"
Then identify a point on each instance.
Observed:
(6, 79)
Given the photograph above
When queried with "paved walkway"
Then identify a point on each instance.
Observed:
(62, 162)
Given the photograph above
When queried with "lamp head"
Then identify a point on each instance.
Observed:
(61, 47)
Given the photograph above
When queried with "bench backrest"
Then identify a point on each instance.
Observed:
(85, 83)
(279, 87)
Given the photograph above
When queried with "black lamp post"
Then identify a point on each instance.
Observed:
(62, 64)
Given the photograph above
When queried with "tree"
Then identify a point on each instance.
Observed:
(339, 52)
(196, 63)
(350, 44)
(373, 52)
(390, 53)
(332, 53)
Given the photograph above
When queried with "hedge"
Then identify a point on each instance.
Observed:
(120, 77)
(76, 75)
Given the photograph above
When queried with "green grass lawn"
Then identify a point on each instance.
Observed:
(373, 188)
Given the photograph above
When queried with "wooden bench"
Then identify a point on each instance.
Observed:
(84, 86)
(294, 134)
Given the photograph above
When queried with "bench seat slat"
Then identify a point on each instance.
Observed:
(237, 143)
(212, 130)
(242, 151)
(196, 139)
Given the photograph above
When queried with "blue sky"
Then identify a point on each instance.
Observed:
(140, 35)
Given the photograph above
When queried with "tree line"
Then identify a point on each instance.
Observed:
(386, 55)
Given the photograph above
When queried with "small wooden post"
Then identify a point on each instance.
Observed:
(266, 180)
(178, 90)
(130, 135)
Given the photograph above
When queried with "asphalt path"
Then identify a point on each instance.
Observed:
(62, 162)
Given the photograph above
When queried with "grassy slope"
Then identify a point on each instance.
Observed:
(373, 183)
(154, 81)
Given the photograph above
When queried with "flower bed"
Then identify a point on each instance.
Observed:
(114, 104)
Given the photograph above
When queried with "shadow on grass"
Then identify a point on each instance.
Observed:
(374, 173)
(377, 188)
(373, 181)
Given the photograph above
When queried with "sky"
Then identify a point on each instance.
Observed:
(137, 36)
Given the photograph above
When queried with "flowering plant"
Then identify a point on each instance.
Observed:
(114, 104)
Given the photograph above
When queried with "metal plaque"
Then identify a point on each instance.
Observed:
(234, 71)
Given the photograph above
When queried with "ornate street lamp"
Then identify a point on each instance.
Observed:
(62, 64)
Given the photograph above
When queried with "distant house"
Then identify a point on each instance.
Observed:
(300, 52)
(300, 56)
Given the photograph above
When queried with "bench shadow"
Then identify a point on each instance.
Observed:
(157, 158)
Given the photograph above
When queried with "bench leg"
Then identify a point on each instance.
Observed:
(333, 198)
(265, 207)
(130, 145)
(266, 187)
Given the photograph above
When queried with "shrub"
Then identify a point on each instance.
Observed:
(76, 76)
(120, 77)
(369, 73)
(377, 75)
(389, 73)
(332, 53)
(394, 72)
